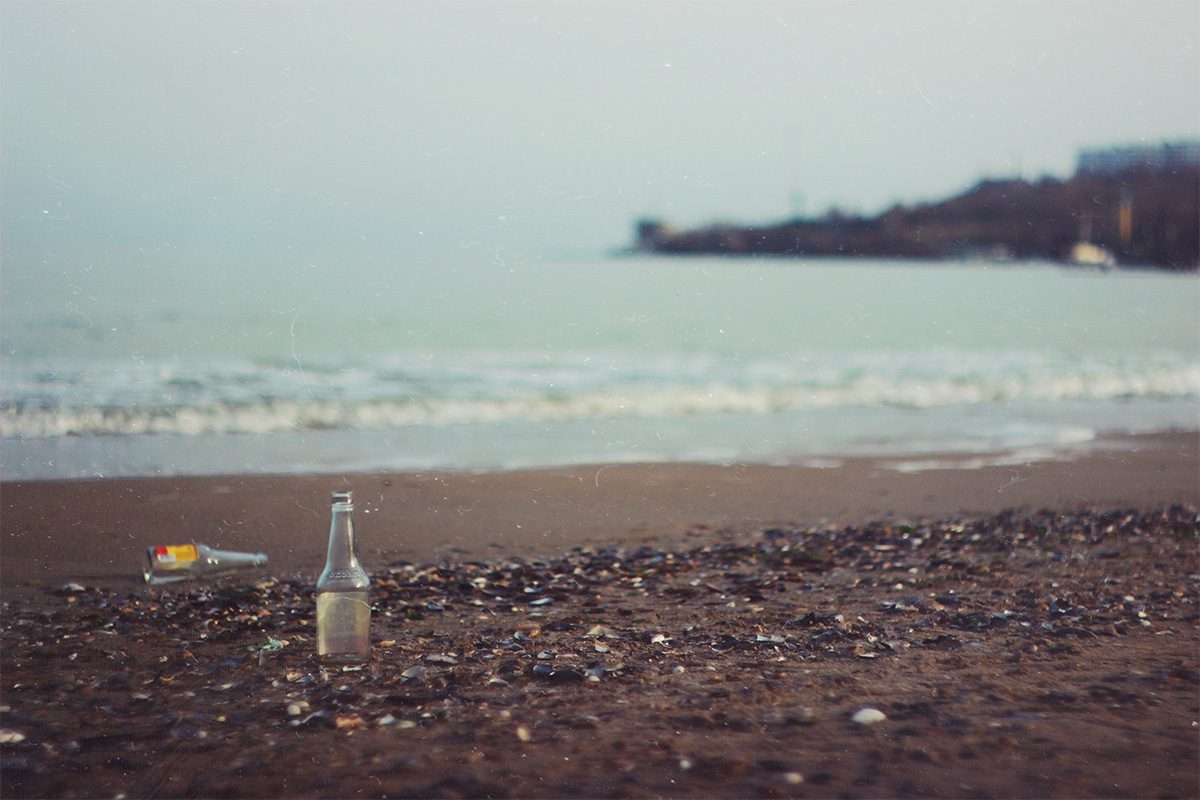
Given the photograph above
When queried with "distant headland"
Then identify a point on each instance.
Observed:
(1136, 205)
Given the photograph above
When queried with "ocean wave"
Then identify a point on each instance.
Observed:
(193, 412)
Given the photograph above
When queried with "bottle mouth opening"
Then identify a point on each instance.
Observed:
(342, 497)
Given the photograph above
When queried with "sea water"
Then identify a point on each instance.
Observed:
(490, 363)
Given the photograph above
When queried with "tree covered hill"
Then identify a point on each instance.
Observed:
(1142, 216)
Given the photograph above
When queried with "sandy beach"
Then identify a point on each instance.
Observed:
(95, 531)
(621, 630)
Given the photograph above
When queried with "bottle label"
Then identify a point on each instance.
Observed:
(343, 624)
(176, 556)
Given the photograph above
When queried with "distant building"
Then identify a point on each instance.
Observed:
(1159, 156)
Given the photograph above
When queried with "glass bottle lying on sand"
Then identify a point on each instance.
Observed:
(184, 562)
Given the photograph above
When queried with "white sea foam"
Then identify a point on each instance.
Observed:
(166, 403)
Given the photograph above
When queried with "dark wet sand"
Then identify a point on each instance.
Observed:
(94, 531)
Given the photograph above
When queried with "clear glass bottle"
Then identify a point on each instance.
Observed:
(184, 562)
(343, 602)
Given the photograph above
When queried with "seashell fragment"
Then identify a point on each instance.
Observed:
(868, 716)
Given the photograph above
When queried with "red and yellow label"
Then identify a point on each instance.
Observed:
(178, 554)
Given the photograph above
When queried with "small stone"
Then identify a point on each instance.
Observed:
(679, 670)
(800, 716)
(315, 719)
(530, 630)
(8, 736)
(294, 710)
(523, 734)
(868, 716)
(793, 778)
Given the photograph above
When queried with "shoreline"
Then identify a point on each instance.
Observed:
(94, 532)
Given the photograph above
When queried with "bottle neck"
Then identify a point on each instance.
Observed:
(343, 550)
(228, 560)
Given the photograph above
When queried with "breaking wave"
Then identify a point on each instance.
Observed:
(253, 400)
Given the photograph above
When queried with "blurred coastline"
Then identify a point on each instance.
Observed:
(1133, 205)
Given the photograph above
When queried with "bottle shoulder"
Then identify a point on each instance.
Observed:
(344, 579)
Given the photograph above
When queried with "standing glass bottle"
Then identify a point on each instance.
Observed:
(343, 604)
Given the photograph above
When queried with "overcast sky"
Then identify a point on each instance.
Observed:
(521, 129)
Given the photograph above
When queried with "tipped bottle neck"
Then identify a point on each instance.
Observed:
(231, 558)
